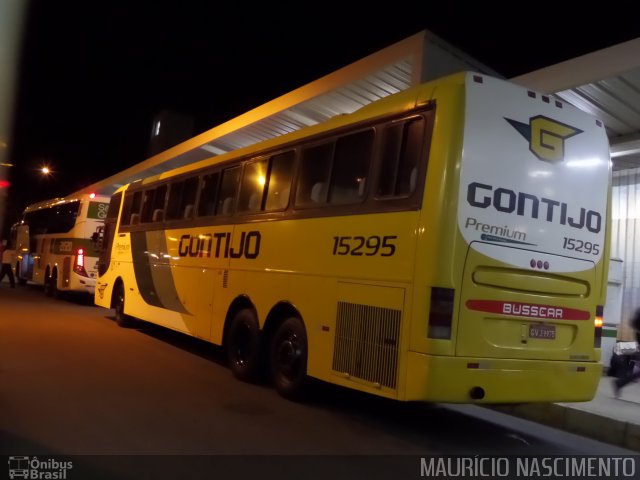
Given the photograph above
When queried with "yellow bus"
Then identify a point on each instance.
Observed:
(54, 246)
(447, 243)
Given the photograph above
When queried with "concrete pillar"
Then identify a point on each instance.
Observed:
(11, 25)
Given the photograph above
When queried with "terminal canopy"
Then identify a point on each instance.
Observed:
(605, 83)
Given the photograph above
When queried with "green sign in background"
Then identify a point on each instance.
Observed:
(98, 210)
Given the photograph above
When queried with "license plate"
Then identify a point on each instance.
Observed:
(545, 332)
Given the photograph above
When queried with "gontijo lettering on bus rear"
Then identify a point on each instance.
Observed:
(526, 204)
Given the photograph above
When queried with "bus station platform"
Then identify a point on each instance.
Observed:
(605, 418)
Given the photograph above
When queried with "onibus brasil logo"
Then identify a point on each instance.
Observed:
(545, 136)
(33, 468)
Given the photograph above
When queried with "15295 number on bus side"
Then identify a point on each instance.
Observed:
(369, 246)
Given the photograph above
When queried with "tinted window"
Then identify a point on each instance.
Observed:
(131, 207)
(279, 183)
(351, 167)
(315, 168)
(61, 218)
(158, 203)
(252, 189)
(173, 203)
(182, 199)
(228, 189)
(37, 221)
(208, 194)
(401, 147)
(57, 219)
(114, 206)
(147, 205)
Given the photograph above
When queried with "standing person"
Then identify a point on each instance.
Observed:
(7, 259)
(631, 376)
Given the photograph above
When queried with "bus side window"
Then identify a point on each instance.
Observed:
(208, 193)
(315, 168)
(228, 189)
(351, 162)
(279, 181)
(181, 199)
(401, 147)
(37, 221)
(173, 203)
(64, 217)
(131, 207)
(148, 200)
(252, 187)
(188, 198)
(126, 209)
(159, 204)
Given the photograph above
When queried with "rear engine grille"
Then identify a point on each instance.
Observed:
(366, 343)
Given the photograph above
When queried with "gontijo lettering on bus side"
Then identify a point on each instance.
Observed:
(247, 245)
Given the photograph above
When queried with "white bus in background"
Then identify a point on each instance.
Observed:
(54, 246)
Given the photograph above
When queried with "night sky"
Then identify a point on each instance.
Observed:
(94, 74)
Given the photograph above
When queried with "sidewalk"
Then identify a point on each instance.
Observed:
(605, 418)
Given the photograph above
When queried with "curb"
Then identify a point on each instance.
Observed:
(598, 427)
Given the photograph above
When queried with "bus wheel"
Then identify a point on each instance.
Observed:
(122, 319)
(243, 345)
(19, 279)
(288, 359)
(51, 285)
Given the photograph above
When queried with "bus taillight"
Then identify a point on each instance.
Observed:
(78, 264)
(597, 339)
(441, 313)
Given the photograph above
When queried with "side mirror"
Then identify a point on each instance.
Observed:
(97, 236)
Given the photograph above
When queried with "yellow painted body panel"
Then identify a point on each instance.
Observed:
(448, 379)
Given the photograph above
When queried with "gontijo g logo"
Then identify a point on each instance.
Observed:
(545, 136)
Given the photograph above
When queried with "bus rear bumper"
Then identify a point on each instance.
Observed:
(80, 283)
(490, 380)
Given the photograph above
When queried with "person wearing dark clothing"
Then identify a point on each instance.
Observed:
(634, 374)
(6, 257)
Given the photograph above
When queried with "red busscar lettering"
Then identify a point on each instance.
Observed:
(531, 310)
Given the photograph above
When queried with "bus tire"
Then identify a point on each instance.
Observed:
(51, 285)
(288, 359)
(243, 345)
(122, 319)
(19, 279)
